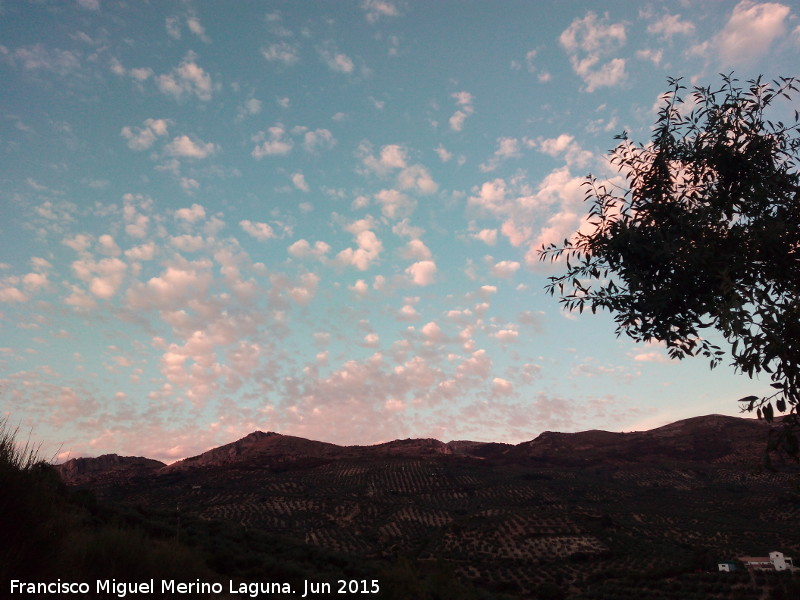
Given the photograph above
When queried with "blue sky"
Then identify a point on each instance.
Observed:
(321, 218)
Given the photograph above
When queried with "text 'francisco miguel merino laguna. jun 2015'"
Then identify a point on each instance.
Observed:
(170, 586)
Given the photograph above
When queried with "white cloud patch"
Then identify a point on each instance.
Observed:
(487, 236)
(395, 204)
(565, 145)
(303, 249)
(750, 31)
(464, 101)
(299, 181)
(194, 25)
(104, 277)
(369, 248)
(187, 79)
(260, 231)
(192, 214)
(393, 159)
(502, 387)
(39, 57)
(319, 139)
(415, 250)
(422, 273)
(185, 147)
(277, 142)
(282, 52)
(142, 138)
(505, 269)
(669, 26)
(507, 147)
(337, 61)
(531, 217)
(250, 107)
(443, 153)
(378, 9)
(589, 42)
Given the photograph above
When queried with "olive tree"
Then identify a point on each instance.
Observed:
(704, 234)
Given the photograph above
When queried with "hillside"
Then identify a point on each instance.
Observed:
(576, 511)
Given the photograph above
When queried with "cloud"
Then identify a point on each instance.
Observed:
(590, 40)
(532, 217)
(104, 276)
(136, 223)
(319, 139)
(415, 249)
(299, 181)
(188, 78)
(444, 155)
(194, 25)
(368, 250)
(38, 57)
(507, 147)
(359, 288)
(79, 242)
(251, 106)
(502, 387)
(282, 52)
(142, 252)
(479, 365)
(260, 231)
(276, 144)
(433, 333)
(35, 282)
(337, 61)
(487, 236)
(422, 273)
(565, 144)
(669, 26)
(653, 56)
(417, 178)
(464, 101)
(143, 138)
(505, 269)
(173, 288)
(750, 31)
(377, 9)
(393, 158)
(173, 27)
(188, 243)
(302, 249)
(185, 147)
(108, 246)
(192, 214)
(10, 294)
(395, 204)
(303, 293)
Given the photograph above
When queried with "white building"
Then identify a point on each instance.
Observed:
(776, 560)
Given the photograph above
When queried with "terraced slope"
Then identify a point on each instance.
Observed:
(573, 511)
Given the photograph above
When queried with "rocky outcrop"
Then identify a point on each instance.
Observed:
(410, 447)
(81, 470)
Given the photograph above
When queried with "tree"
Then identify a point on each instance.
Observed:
(704, 234)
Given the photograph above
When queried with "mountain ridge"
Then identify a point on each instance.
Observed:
(706, 438)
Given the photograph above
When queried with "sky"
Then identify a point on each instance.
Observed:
(322, 218)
